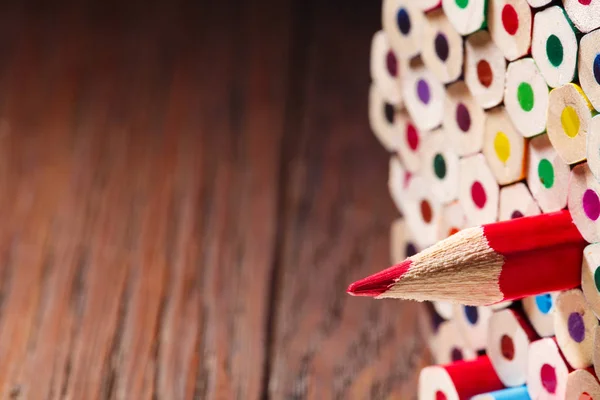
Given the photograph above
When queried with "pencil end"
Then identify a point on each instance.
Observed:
(377, 284)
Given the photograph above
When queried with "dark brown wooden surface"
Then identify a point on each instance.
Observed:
(186, 189)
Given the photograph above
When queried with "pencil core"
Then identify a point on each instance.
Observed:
(374, 285)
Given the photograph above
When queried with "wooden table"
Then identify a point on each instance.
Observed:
(186, 189)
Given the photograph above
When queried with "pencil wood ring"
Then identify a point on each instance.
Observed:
(582, 384)
(516, 202)
(466, 16)
(593, 147)
(386, 69)
(596, 354)
(485, 69)
(440, 166)
(539, 310)
(548, 175)
(509, 336)
(584, 202)
(590, 277)
(588, 67)
(422, 212)
(408, 141)
(382, 116)
(423, 96)
(574, 325)
(450, 345)
(473, 323)
(398, 182)
(504, 148)
(547, 371)
(510, 26)
(452, 220)
(445, 309)
(464, 120)
(403, 21)
(526, 97)
(554, 46)
(584, 14)
(442, 50)
(568, 124)
(478, 191)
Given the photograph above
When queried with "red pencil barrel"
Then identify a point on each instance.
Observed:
(474, 377)
(541, 271)
(531, 233)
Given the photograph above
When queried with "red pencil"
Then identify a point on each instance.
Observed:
(458, 380)
(487, 264)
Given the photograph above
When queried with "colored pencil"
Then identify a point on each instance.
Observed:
(554, 46)
(464, 120)
(487, 264)
(588, 67)
(382, 119)
(485, 69)
(440, 166)
(452, 220)
(508, 339)
(458, 380)
(409, 142)
(444, 308)
(547, 370)
(466, 17)
(402, 21)
(386, 69)
(503, 147)
(574, 325)
(473, 324)
(516, 393)
(516, 202)
(539, 310)
(424, 96)
(442, 49)
(526, 97)
(584, 202)
(596, 353)
(478, 191)
(450, 346)
(593, 147)
(547, 175)
(582, 384)
(569, 118)
(398, 184)
(590, 277)
(584, 14)
(510, 26)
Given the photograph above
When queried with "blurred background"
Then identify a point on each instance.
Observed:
(187, 189)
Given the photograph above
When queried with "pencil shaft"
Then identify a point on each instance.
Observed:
(537, 232)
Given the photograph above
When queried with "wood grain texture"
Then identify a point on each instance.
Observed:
(160, 163)
(325, 343)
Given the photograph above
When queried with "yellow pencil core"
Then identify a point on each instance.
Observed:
(570, 121)
(502, 146)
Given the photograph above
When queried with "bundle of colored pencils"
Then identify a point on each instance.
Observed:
(488, 109)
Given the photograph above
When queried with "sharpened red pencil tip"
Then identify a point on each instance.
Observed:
(379, 283)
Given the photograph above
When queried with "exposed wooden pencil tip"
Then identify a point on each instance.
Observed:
(374, 285)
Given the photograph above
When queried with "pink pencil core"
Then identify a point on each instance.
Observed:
(379, 283)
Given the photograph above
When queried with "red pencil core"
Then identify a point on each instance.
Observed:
(374, 285)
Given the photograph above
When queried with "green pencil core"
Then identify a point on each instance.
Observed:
(525, 96)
